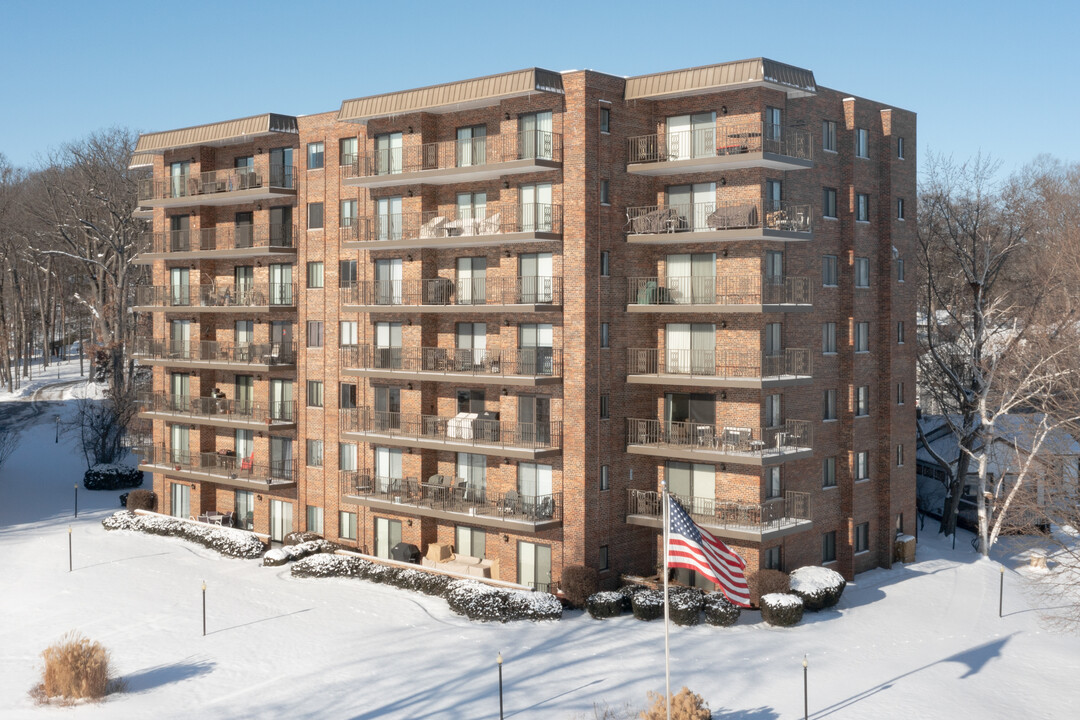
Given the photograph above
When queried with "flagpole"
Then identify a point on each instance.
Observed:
(667, 645)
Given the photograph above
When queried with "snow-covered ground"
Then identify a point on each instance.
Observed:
(920, 641)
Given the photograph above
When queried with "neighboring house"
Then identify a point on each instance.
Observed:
(1058, 458)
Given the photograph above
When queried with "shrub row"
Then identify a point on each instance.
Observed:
(227, 541)
(112, 477)
(141, 500)
(686, 605)
(473, 599)
(288, 553)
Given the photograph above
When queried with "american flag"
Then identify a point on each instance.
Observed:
(696, 549)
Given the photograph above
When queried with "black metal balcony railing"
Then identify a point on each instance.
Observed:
(505, 147)
(283, 411)
(718, 363)
(223, 237)
(457, 430)
(719, 290)
(444, 291)
(710, 216)
(222, 464)
(493, 219)
(773, 514)
(218, 181)
(791, 436)
(279, 353)
(721, 141)
(546, 362)
(458, 496)
(275, 294)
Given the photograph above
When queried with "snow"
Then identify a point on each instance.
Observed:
(778, 600)
(813, 578)
(924, 637)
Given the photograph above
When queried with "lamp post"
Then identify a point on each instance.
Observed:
(56, 419)
(1001, 589)
(69, 548)
(204, 608)
(805, 695)
(76, 500)
(498, 661)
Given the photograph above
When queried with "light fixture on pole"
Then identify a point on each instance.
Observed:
(498, 661)
(805, 696)
(204, 608)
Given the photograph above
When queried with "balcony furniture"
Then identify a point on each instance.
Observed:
(248, 463)
(488, 226)
(734, 438)
(510, 502)
(434, 228)
(229, 519)
(661, 220)
(461, 426)
(733, 216)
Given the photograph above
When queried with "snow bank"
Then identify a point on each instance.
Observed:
(227, 541)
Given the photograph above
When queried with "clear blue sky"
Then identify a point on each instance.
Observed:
(994, 76)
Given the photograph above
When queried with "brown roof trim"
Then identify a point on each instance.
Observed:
(228, 132)
(796, 81)
(447, 97)
(141, 160)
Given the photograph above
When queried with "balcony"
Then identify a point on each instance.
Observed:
(232, 186)
(454, 501)
(214, 355)
(464, 432)
(718, 222)
(227, 241)
(218, 412)
(717, 368)
(521, 366)
(727, 147)
(725, 293)
(221, 467)
(261, 297)
(716, 443)
(754, 522)
(456, 161)
(528, 294)
(498, 224)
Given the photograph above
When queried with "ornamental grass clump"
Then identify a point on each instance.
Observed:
(685, 705)
(75, 669)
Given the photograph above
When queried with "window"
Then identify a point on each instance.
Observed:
(862, 207)
(347, 273)
(244, 508)
(862, 537)
(314, 274)
(314, 333)
(900, 148)
(603, 563)
(347, 525)
(470, 541)
(773, 122)
(314, 393)
(314, 453)
(828, 547)
(862, 401)
(772, 558)
(314, 156)
(828, 202)
(471, 145)
(347, 151)
(774, 193)
(828, 338)
(605, 119)
(387, 535)
(772, 481)
(899, 208)
(314, 519)
(900, 270)
(862, 143)
(534, 565)
(862, 337)
(604, 413)
(773, 334)
(347, 396)
(772, 410)
(900, 332)
(862, 465)
(899, 456)
(347, 217)
(828, 410)
(605, 479)
(605, 338)
(828, 472)
(828, 135)
(862, 272)
(347, 333)
(347, 457)
(829, 267)
(899, 393)
(605, 192)
(315, 216)
(605, 263)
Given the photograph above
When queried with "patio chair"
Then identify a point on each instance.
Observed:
(488, 226)
(433, 228)
(248, 463)
(228, 519)
(510, 502)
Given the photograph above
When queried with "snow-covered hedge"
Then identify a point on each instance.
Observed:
(605, 604)
(684, 605)
(296, 538)
(628, 592)
(819, 587)
(647, 604)
(720, 611)
(288, 553)
(781, 609)
(479, 601)
(227, 541)
(326, 565)
(110, 476)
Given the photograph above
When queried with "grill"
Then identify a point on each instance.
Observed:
(404, 552)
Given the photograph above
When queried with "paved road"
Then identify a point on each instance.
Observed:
(40, 407)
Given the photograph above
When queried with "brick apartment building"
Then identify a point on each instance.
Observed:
(497, 313)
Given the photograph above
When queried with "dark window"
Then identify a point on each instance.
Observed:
(347, 396)
(828, 547)
(604, 407)
(605, 263)
(315, 216)
(862, 537)
(603, 564)
(772, 558)
(314, 393)
(605, 479)
(828, 202)
(347, 273)
(314, 333)
(605, 192)
(605, 119)
(315, 155)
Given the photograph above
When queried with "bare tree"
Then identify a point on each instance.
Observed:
(9, 442)
(101, 426)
